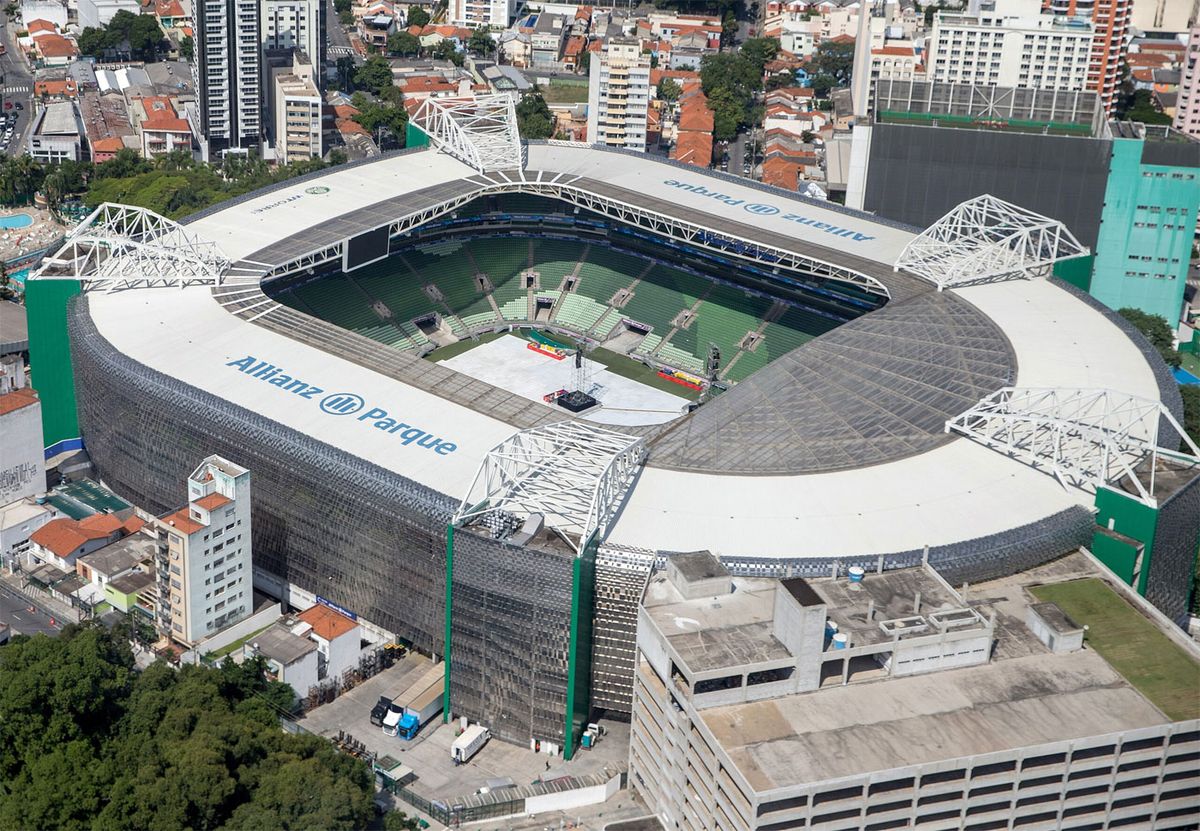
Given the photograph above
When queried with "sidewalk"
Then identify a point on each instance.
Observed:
(60, 611)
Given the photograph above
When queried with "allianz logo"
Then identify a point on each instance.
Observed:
(342, 404)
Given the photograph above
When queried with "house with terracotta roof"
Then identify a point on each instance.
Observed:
(170, 14)
(339, 639)
(160, 128)
(55, 50)
(51, 89)
(60, 542)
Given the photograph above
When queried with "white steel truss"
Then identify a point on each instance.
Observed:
(986, 239)
(479, 130)
(1086, 438)
(573, 474)
(567, 190)
(121, 246)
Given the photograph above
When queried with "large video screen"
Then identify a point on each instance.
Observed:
(366, 248)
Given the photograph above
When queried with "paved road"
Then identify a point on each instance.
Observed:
(337, 40)
(14, 610)
(17, 87)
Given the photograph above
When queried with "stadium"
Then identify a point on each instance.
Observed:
(795, 386)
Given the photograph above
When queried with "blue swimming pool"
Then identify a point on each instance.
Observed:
(16, 221)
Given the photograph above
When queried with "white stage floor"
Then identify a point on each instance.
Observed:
(508, 364)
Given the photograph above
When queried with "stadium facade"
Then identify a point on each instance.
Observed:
(845, 451)
(1128, 191)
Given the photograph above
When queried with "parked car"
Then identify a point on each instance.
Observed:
(8, 105)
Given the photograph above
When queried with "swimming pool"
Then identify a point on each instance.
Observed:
(16, 221)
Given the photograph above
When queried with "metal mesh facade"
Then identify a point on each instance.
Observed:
(331, 523)
(918, 174)
(621, 577)
(510, 629)
(1171, 565)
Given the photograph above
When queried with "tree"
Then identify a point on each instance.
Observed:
(728, 114)
(1142, 109)
(92, 42)
(780, 80)
(187, 47)
(20, 178)
(760, 51)
(340, 6)
(1191, 410)
(417, 16)
(669, 90)
(402, 43)
(446, 50)
(1157, 331)
(374, 75)
(585, 63)
(534, 120)
(345, 69)
(190, 748)
(145, 37)
(480, 43)
(831, 66)
(378, 116)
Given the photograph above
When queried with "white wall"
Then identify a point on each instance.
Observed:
(259, 620)
(22, 463)
(567, 800)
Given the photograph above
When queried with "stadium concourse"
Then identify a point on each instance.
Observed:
(402, 489)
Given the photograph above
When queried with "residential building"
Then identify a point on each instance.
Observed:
(228, 69)
(1000, 49)
(62, 541)
(160, 127)
(375, 27)
(1110, 20)
(99, 13)
(547, 40)
(54, 11)
(619, 95)
(294, 24)
(18, 521)
(204, 555)
(693, 132)
(102, 566)
(486, 13)
(890, 700)
(296, 112)
(1164, 15)
(171, 15)
(1187, 107)
(57, 133)
(105, 116)
(22, 463)
(134, 592)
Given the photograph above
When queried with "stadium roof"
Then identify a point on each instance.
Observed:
(836, 449)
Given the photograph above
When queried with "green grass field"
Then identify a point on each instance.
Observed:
(629, 368)
(565, 93)
(1191, 363)
(1131, 644)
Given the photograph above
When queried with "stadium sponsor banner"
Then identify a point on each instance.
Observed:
(342, 405)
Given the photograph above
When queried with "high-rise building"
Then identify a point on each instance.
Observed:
(228, 71)
(294, 24)
(482, 12)
(1187, 109)
(619, 95)
(1110, 21)
(296, 111)
(22, 464)
(1164, 15)
(1013, 46)
(204, 554)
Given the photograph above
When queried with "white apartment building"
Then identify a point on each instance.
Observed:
(1187, 110)
(619, 95)
(475, 13)
(293, 24)
(894, 701)
(204, 554)
(296, 116)
(228, 71)
(1015, 48)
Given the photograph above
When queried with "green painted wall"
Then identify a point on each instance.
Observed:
(579, 668)
(414, 136)
(1077, 271)
(1117, 554)
(1131, 518)
(1146, 232)
(50, 357)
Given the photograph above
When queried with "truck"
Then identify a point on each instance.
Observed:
(417, 704)
(468, 744)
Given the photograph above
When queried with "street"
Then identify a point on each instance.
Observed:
(337, 41)
(17, 86)
(14, 610)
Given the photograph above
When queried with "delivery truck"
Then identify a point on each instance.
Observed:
(417, 704)
(468, 744)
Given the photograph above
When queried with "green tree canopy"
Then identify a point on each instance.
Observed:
(830, 66)
(669, 90)
(417, 16)
(187, 48)
(195, 748)
(402, 43)
(1157, 331)
(445, 50)
(1191, 412)
(481, 42)
(375, 75)
(534, 120)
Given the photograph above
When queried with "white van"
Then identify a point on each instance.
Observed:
(468, 744)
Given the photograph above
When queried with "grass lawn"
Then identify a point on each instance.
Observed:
(628, 368)
(464, 345)
(1191, 363)
(1131, 644)
(236, 645)
(565, 93)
